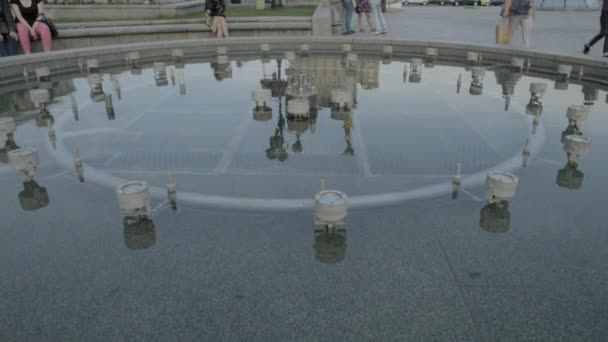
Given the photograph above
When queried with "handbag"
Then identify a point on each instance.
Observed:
(503, 33)
(207, 20)
(50, 24)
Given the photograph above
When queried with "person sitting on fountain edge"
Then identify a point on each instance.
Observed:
(216, 9)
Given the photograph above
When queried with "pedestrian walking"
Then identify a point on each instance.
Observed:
(603, 32)
(347, 16)
(379, 20)
(521, 14)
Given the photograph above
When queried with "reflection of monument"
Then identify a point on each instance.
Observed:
(139, 234)
(330, 245)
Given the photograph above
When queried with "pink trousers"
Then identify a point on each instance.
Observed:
(43, 32)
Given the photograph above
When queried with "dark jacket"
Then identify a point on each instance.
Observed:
(605, 6)
(216, 7)
(7, 23)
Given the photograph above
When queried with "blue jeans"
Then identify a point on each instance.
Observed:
(8, 46)
(378, 16)
(347, 15)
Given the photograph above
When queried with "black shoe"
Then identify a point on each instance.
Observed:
(586, 49)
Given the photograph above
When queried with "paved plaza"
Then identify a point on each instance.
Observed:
(562, 32)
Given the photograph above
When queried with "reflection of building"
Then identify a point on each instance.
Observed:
(330, 245)
(328, 74)
(139, 234)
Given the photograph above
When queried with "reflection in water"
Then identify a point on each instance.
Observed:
(477, 75)
(495, 217)
(7, 130)
(160, 74)
(415, 71)
(570, 177)
(563, 77)
(222, 68)
(25, 160)
(591, 94)
(33, 196)
(96, 87)
(109, 107)
(116, 87)
(500, 188)
(507, 78)
(346, 116)
(139, 233)
(278, 146)
(330, 245)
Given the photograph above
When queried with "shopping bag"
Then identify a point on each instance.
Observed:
(503, 33)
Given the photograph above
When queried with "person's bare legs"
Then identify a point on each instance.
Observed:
(224, 27)
(526, 30)
(360, 21)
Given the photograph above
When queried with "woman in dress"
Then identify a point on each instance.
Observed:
(364, 6)
(217, 10)
(30, 14)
